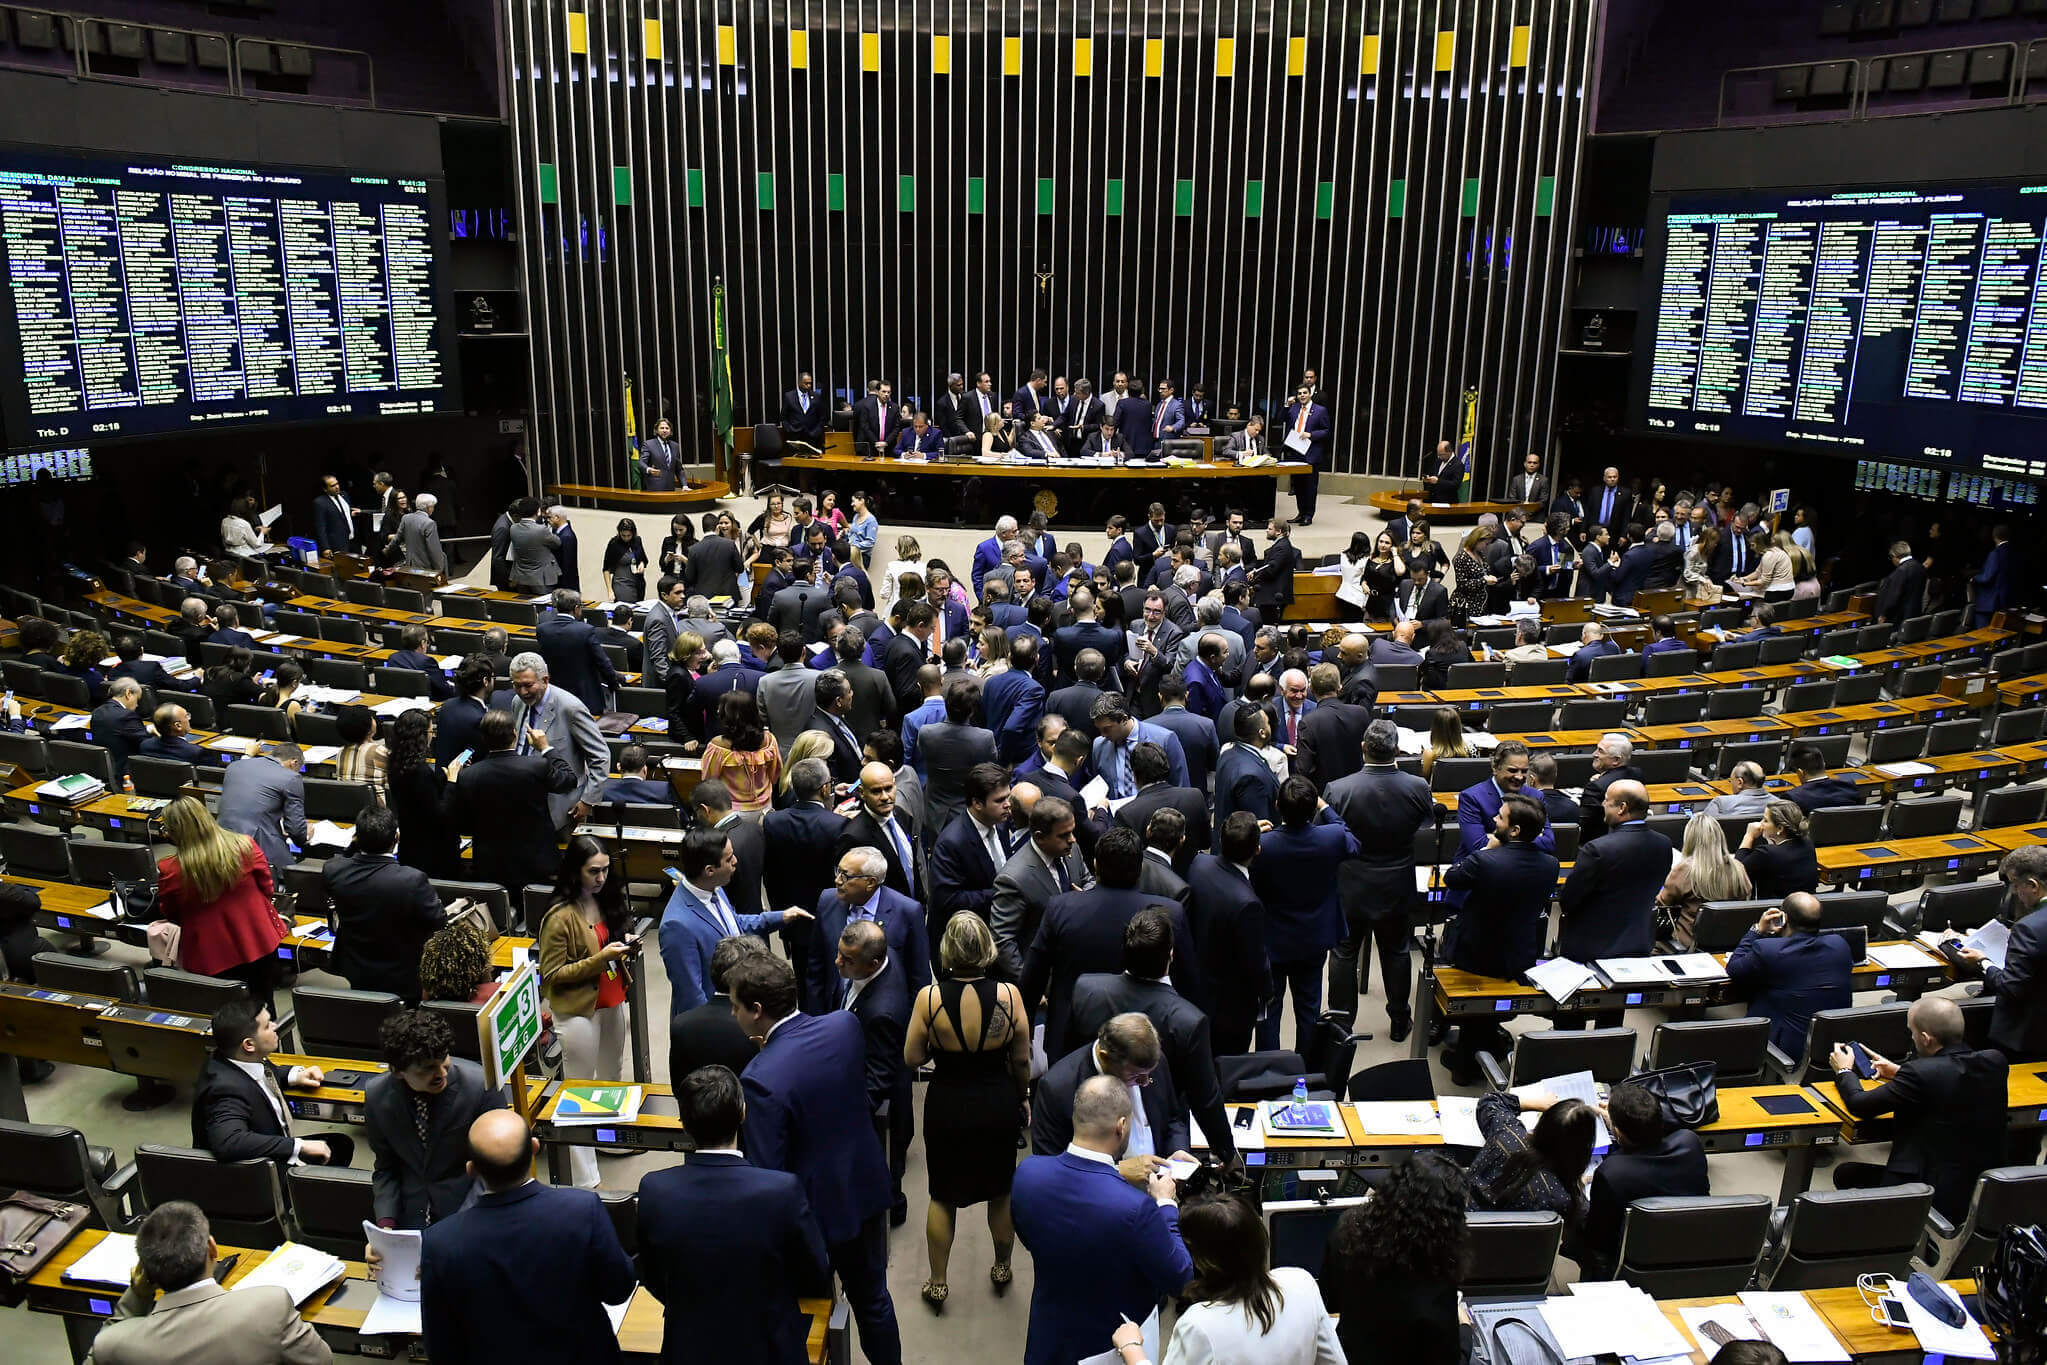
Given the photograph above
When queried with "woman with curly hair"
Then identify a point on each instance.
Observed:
(1245, 1312)
(1393, 1264)
(82, 655)
(455, 965)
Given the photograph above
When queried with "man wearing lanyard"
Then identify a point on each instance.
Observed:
(1307, 422)
(699, 914)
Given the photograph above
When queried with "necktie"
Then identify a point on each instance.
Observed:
(803, 401)
(1301, 417)
(277, 1098)
(422, 1120)
(1065, 878)
(1158, 423)
(895, 838)
(526, 723)
(1126, 785)
(1606, 506)
(1737, 555)
(1293, 723)
(996, 853)
(721, 910)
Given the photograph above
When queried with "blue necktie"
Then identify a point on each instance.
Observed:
(1606, 507)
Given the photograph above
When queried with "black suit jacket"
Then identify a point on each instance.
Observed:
(1949, 1113)
(806, 843)
(1903, 591)
(145, 671)
(1331, 742)
(872, 422)
(1052, 1106)
(1434, 603)
(1592, 804)
(1272, 587)
(1136, 813)
(900, 661)
(1609, 899)
(750, 849)
(883, 1009)
(1623, 508)
(1507, 891)
(232, 1117)
(1082, 932)
(1148, 543)
(707, 1036)
(119, 731)
(438, 688)
(806, 426)
(962, 872)
(1229, 936)
(500, 800)
(1674, 1166)
(1074, 703)
(951, 413)
(576, 661)
(384, 912)
(1384, 808)
(1183, 1041)
(864, 829)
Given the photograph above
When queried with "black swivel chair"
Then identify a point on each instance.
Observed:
(190, 993)
(1896, 745)
(1736, 703)
(1962, 906)
(69, 757)
(1830, 825)
(330, 1204)
(1810, 696)
(1923, 817)
(2011, 805)
(87, 976)
(1880, 1028)
(643, 701)
(491, 894)
(56, 1162)
(1736, 1047)
(99, 862)
(1953, 736)
(67, 689)
(1671, 663)
(161, 777)
(1680, 1245)
(1406, 1079)
(243, 1200)
(460, 1017)
(1510, 1255)
(398, 682)
(344, 673)
(327, 799)
(1719, 925)
(1678, 708)
(336, 1023)
(1663, 765)
(1539, 672)
(36, 851)
(1455, 774)
(2018, 727)
(1592, 715)
(2009, 1196)
(1833, 1236)
(1616, 668)
(259, 722)
(1519, 717)
(30, 753)
(1608, 1053)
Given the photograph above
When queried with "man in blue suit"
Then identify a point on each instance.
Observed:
(1168, 415)
(1086, 632)
(1243, 779)
(877, 993)
(1996, 582)
(1551, 552)
(727, 675)
(1029, 400)
(805, 412)
(227, 620)
(1105, 1251)
(989, 552)
(1194, 729)
(411, 653)
(727, 1248)
(920, 437)
(699, 913)
(861, 895)
(1295, 877)
(479, 1262)
(972, 849)
(1592, 644)
(1309, 419)
(1507, 887)
(1791, 971)
(806, 1113)
(1477, 805)
(1132, 416)
(1012, 701)
(1118, 733)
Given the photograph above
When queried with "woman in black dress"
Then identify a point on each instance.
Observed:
(1392, 1267)
(418, 792)
(974, 1032)
(1778, 854)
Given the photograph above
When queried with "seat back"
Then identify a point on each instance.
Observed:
(1833, 748)
(1593, 715)
(189, 992)
(1663, 765)
(513, 613)
(30, 753)
(1720, 924)
(1455, 774)
(241, 1199)
(363, 592)
(1918, 682)
(1780, 649)
(335, 1023)
(327, 799)
(330, 1204)
(52, 1160)
(67, 756)
(337, 631)
(198, 707)
(1519, 717)
(404, 599)
(1896, 744)
(2008, 1196)
(1539, 672)
(259, 722)
(1681, 1245)
(1858, 689)
(36, 851)
(1735, 703)
(165, 777)
(1510, 1255)
(1398, 677)
(448, 640)
(1608, 1053)
(1844, 825)
(1953, 736)
(643, 701)
(97, 862)
(86, 975)
(1259, 1075)
(67, 689)
(398, 682)
(1880, 1028)
(1924, 817)
(1670, 663)
(1732, 656)
(1616, 668)
(1768, 754)
(624, 1208)
(1736, 1047)
(1566, 837)
(463, 608)
(315, 727)
(460, 1017)
(1405, 1079)
(1962, 906)
(1810, 696)
(2018, 727)
(346, 673)
(1671, 825)
(1679, 708)
(1833, 1236)
(1913, 629)
(2011, 805)
(490, 893)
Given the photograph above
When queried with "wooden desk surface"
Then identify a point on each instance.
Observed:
(1741, 1110)
(1847, 859)
(854, 464)
(644, 1120)
(64, 898)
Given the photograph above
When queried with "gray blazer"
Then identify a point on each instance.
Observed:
(265, 800)
(787, 697)
(572, 729)
(419, 541)
(533, 562)
(203, 1324)
(1023, 888)
(658, 637)
(409, 1178)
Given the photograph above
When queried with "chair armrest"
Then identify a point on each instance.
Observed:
(1495, 1074)
(120, 1188)
(287, 1024)
(1939, 1226)
(1778, 1062)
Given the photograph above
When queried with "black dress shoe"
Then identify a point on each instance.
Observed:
(1398, 1027)
(899, 1215)
(1439, 1029)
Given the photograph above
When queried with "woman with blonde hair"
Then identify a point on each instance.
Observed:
(1446, 739)
(1805, 570)
(976, 1036)
(1772, 574)
(809, 744)
(909, 560)
(216, 886)
(995, 438)
(1778, 854)
(1706, 872)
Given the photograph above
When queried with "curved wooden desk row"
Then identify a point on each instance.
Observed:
(1393, 502)
(695, 493)
(832, 461)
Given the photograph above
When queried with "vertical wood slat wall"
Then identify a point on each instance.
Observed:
(1215, 191)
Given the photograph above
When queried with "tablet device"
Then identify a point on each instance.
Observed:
(1782, 1105)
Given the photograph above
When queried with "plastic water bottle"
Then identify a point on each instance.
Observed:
(1298, 1110)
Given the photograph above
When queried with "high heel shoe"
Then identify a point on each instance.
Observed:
(934, 1295)
(1000, 1275)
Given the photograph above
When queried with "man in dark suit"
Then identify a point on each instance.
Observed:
(1384, 809)
(456, 720)
(1150, 541)
(860, 895)
(706, 1034)
(727, 1247)
(660, 459)
(801, 606)
(227, 619)
(1055, 777)
(1649, 1158)
(1996, 581)
(972, 848)
(805, 838)
(383, 911)
(1229, 926)
(1592, 644)
(876, 423)
(1570, 504)
(475, 1261)
(1948, 1102)
(1086, 633)
(1075, 703)
(1082, 932)
(1790, 970)
(417, 1180)
(633, 785)
(726, 674)
(1153, 772)
(1609, 900)
(128, 649)
(805, 413)
(173, 726)
(2018, 1023)
(1199, 746)
(1444, 473)
(1126, 1049)
(1551, 552)
(333, 518)
(908, 651)
(981, 404)
(501, 801)
(1507, 887)
(806, 1113)
(1132, 416)
(1272, 586)
(1542, 785)
(1307, 420)
(1903, 591)
(117, 727)
(1529, 486)
(948, 749)
(878, 993)
(880, 825)
(411, 653)
(874, 701)
(715, 566)
(1611, 505)
(1330, 745)
(1815, 789)
(1043, 868)
(1613, 760)
(1023, 407)
(576, 661)
(1418, 598)
(239, 1111)
(953, 410)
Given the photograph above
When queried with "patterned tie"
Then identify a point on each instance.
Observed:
(1158, 424)
(277, 1097)
(526, 723)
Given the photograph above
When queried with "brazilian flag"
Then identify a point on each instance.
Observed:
(721, 367)
(633, 476)
(1467, 443)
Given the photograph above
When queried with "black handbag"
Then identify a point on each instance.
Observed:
(1685, 1093)
(134, 901)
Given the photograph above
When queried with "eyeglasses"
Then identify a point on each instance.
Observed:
(842, 876)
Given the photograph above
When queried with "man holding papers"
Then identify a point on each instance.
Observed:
(1306, 438)
(2019, 1024)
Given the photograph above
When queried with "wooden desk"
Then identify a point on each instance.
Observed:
(1393, 502)
(1964, 854)
(692, 494)
(657, 1128)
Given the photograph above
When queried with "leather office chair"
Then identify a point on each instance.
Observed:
(1918, 682)
(1833, 748)
(346, 673)
(1734, 655)
(243, 1200)
(1913, 629)
(1592, 715)
(1849, 909)
(56, 1162)
(67, 689)
(1398, 677)
(190, 993)
(1721, 618)
(335, 630)
(1413, 717)
(97, 862)
(362, 592)
(1670, 663)
(1736, 1047)
(398, 682)
(624, 1208)
(87, 975)
(1962, 906)
(327, 799)
(160, 777)
(2018, 727)
(1567, 840)
(1616, 668)
(1858, 689)
(315, 727)
(1833, 1236)
(1670, 826)
(2009, 1196)
(342, 1023)
(451, 641)
(1720, 924)
(1519, 717)
(304, 624)
(1810, 696)
(1679, 708)
(1868, 639)
(1845, 825)
(1780, 649)
(1680, 1245)
(1663, 765)
(330, 1204)
(1608, 1053)
(1923, 817)
(2010, 805)
(1433, 846)
(1406, 1079)
(1574, 770)
(460, 1017)
(36, 851)
(456, 607)
(1880, 1028)
(490, 893)
(22, 678)
(1263, 1075)
(513, 613)
(1946, 622)
(1539, 672)
(1768, 754)
(404, 599)
(1455, 774)
(69, 757)
(30, 753)
(1977, 1013)
(1953, 736)
(643, 701)
(1478, 673)
(259, 722)
(1736, 703)
(1510, 1255)
(198, 707)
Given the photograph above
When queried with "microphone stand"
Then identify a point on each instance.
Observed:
(1425, 983)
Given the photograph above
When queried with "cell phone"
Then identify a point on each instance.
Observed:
(225, 1267)
(1894, 1312)
(465, 755)
(1243, 1119)
(1864, 1067)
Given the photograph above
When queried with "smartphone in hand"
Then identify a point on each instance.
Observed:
(1864, 1067)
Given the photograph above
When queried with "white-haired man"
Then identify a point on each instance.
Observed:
(419, 539)
(569, 727)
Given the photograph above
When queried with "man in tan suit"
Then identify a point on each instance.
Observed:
(196, 1322)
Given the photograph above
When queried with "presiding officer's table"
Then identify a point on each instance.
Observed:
(1254, 489)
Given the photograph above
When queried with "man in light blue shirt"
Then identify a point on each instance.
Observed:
(929, 678)
(1119, 733)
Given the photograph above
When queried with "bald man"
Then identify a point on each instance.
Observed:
(1791, 971)
(1609, 899)
(524, 1272)
(1948, 1102)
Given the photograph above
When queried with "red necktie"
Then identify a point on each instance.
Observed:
(1158, 425)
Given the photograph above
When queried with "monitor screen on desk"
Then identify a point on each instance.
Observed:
(1300, 1230)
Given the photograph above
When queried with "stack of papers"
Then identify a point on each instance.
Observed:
(316, 754)
(582, 1105)
(1459, 1115)
(73, 789)
(1560, 977)
(1576, 1085)
(110, 1263)
(398, 706)
(1897, 956)
(327, 832)
(1399, 1118)
(397, 1305)
(1903, 769)
(1685, 968)
(1790, 1323)
(1612, 1317)
(232, 744)
(1992, 940)
(300, 1271)
(76, 720)
(313, 694)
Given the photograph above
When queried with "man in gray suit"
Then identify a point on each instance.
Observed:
(419, 538)
(1045, 867)
(699, 617)
(264, 797)
(570, 728)
(1249, 441)
(661, 628)
(533, 544)
(197, 1322)
(949, 749)
(789, 694)
(419, 1180)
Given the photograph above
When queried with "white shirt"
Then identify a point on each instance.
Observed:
(853, 988)
(777, 1024)
(263, 1076)
(713, 902)
(1302, 1332)
(1141, 1141)
(1089, 1154)
(989, 841)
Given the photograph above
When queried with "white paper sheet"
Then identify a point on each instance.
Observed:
(1399, 1118)
(1903, 769)
(1991, 940)
(1790, 1324)
(1699, 967)
(388, 1316)
(1560, 977)
(77, 720)
(327, 832)
(111, 1263)
(1633, 971)
(269, 514)
(1095, 793)
(300, 1271)
(617, 1311)
(1459, 1116)
(1967, 1342)
(1574, 1085)
(1897, 955)
(1151, 1345)
(1298, 441)
(398, 1276)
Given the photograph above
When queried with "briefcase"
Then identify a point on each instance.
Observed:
(32, 1229)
